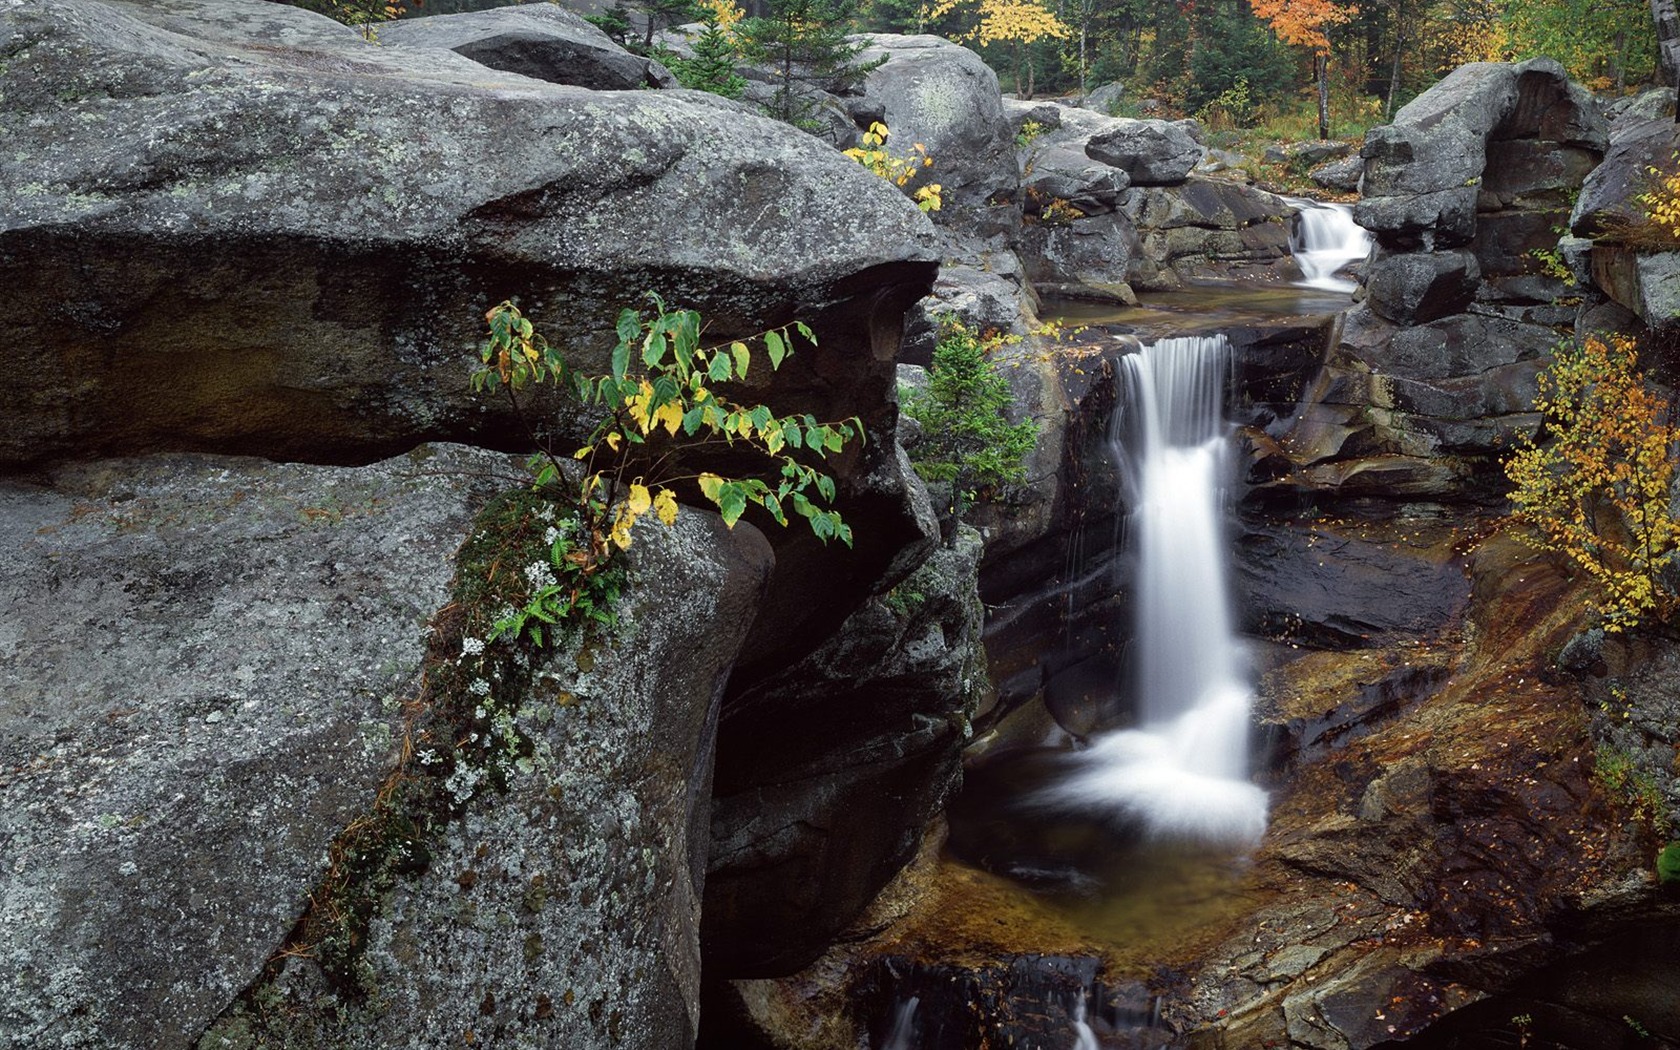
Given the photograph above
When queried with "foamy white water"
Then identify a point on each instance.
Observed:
(1183, 772)
(1324, 238)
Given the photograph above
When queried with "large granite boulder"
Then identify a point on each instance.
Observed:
(240, 226)
(1207, 228)
(201, 660)
(1151, 152)
(540, 41)
(1488, 161)
(943, 96)
(223, 667)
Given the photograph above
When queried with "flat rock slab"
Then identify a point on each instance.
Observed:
(200, 658)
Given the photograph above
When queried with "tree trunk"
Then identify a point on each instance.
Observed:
(1322, 63)
(1394, 70)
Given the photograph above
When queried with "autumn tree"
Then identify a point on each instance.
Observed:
(1015, 24)
(1598, 489)
(1305, 23)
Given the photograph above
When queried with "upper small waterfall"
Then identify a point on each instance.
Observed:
(1324, 238)
(1182, 773)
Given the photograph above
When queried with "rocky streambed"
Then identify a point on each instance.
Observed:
(244, 479)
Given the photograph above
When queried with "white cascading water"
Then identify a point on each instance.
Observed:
(1324, 238)
(903, 1032)
(1084, 1037)
(1183, 772)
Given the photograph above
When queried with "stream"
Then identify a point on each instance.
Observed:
(1137, 834)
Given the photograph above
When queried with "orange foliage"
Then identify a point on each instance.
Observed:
(1303, 22)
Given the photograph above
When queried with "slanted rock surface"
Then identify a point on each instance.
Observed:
(201, 662)
(565, 911)
(540, 41)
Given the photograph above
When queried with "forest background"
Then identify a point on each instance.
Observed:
(1230, 63)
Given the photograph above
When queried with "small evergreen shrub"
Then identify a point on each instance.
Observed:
(967, 438)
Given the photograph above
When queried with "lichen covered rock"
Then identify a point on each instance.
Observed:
(201, 662)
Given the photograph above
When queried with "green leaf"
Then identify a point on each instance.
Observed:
(777, 349)
(620, 360)
(629, 325)
(742, 356)
(653, 348)
(805, 330)
(718, 370)
(732, 503)
(825, 486)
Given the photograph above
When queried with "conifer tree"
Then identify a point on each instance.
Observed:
(805, 40)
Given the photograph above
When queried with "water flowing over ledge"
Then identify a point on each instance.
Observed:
(1182, 773)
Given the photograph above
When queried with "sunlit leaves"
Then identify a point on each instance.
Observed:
(663, 400)
(1599, 490)
(874, 155)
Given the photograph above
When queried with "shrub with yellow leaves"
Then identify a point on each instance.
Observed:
(873, 154)
(1599, 489)
(662, 402)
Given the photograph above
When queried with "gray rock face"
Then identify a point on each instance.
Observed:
(274, 237)
(1414, 287)
(1341, 175)
(200, 665)
(1104, 99)
(1206, 228)
(1608, 195)
(942, 95)
(540, 41)
(566, 911)
(829, 772)
(1150, 152)
(320, 223)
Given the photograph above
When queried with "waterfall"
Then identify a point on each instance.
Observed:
(1324, 238)
(903, 1032)
(1084, 1037)
(1183, 772)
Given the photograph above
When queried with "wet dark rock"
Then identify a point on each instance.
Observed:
(543, 42)
(1024, 1001)
(829, 771)
(1322, 585)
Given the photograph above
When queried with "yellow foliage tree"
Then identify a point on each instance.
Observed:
(1304, 24)
(1599, 490)
(1016, 23)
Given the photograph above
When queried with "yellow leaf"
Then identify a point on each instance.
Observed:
(613, 441)
(640, 499)
(665, 506)
(670, 414)
(710, 486)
